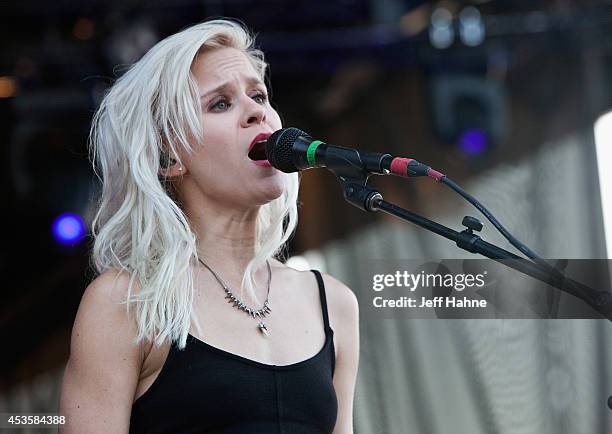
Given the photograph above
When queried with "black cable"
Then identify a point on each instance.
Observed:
(511, 238)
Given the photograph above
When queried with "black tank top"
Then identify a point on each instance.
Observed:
(204, 389)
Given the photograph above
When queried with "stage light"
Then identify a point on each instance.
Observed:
(441, 31)
(68, 228)
(603, 150)
(471, 27)
(8, 87)
(473, 142)
(468, 103)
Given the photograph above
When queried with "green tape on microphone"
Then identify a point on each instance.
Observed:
(310, 153)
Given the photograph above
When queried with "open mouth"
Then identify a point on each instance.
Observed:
(258, 151)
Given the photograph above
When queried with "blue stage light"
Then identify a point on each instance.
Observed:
(473, 142)
(68, 228)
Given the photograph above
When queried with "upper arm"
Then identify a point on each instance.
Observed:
(344, 309)
(104, 365)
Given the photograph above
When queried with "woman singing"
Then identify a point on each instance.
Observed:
(193, 325)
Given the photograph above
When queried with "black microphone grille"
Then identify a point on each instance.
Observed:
(279, 148)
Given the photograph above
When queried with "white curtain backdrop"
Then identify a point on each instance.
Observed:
(489, 376)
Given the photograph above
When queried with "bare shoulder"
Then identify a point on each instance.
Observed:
(104, 364)
(108, 290)
(103, 313)
(341, 300)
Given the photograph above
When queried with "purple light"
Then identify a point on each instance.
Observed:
(473, 141)
(68, 228)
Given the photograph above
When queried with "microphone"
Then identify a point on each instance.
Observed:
(291, 150)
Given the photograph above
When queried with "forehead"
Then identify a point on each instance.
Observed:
(220, 65)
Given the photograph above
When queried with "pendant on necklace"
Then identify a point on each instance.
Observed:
(263, 329)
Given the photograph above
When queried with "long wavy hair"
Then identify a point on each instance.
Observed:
(150, 113)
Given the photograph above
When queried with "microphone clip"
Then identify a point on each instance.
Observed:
(357, 193)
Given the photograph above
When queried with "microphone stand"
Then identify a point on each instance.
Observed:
(357, 193)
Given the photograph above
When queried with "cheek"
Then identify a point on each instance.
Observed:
(212, 156)
(274, 119)
(218, 137)
(215, 128)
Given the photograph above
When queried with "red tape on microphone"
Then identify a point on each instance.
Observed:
(399, 166)
(410, 168)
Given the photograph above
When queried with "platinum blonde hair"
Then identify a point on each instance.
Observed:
(148, 114)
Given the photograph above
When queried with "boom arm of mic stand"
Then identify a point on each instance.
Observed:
(369, 199)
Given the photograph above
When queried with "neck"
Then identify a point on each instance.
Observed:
(225, 236)
(226, 239)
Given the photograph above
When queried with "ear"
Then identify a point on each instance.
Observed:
(171, 168)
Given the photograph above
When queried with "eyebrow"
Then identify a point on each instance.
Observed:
(250, 80)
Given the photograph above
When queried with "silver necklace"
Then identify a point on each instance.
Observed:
(258, 314)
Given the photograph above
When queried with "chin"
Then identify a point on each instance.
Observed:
(272, 195)
(273, 191)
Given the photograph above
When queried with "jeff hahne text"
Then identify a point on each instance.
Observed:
(414, 281)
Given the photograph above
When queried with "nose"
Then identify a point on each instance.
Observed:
(254, 113)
